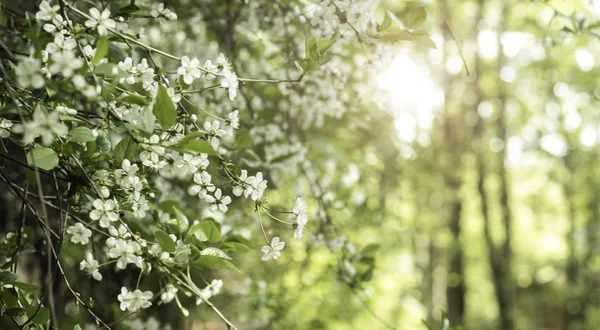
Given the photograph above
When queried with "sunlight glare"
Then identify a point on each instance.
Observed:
(414, 95)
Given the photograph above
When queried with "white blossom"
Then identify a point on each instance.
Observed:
(79, 234)
(219, 202)
(65, 63)
(215, 132)
(273, 250)
(28, 73)
(105, 212)
(258, 186)
(47, 12)
(57, 25)
(65, 110)
(189, 69)
(90, 266)
(100, 21)
(299, 211)
(45, 125)
(169, 294)
(134, 301)
(125, 252)
(230, 81)
(233, 120)
(61, 43)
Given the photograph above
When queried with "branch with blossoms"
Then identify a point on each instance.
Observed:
(140, 134)
(135, 150)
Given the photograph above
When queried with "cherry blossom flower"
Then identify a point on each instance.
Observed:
(28, 73)
(45, 125)
(105, 212)
(90, 266)
(273, 250)
(100, 21)
(134, 301)
(233, 120)
(47, 12)
(189, 69)
(299, 211)
(230, 81)
(79, 234)
(219, 202)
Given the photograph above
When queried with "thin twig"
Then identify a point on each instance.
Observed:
(447, 25)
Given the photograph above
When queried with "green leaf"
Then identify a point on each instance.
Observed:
(413, 18)
(213, 251)
(129, 9)
(425, 41)
(236, 247)
(165, 242)
(243, 140)
(214, 262)
(370, 249)
(7, 277)
(15, 311)
(135, 98)
(169, 206)
(211, 230)
(164, 109)
(101, 50)
(324, 45)
(309, 65)
(127, 149)
(26, 287)
(76, 327)
(192, 144)
(196, 231)
(39, 315)
(80, 134)
(182, 221)
(395, 20)
(385, 24)
(7, 323)
(103, 144)
(42, 157)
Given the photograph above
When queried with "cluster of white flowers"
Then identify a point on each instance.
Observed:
(191, 69)
(135, 300)
(127, 188)
(61, 50)
(124, 248)
(152, 156)
(210, 290)
(140, 72)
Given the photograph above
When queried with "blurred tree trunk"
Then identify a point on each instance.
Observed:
(506, 283)
(452, 123)
(573, 306)
(499, 256)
